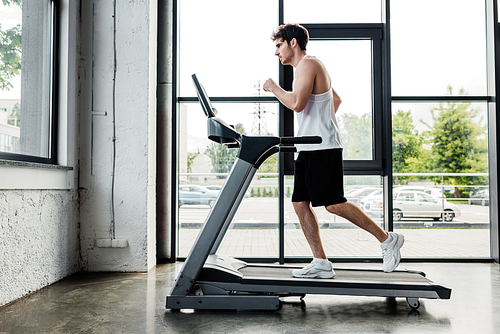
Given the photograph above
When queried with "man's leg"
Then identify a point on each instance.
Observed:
(310, 227)
(320, 267)
(355, 215)
(390, 243)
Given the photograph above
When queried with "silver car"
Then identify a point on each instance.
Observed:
(418, 204)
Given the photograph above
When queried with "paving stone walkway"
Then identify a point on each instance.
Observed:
(420, 243)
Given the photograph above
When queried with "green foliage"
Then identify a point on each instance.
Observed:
(10, 51)
(459, 141)
(222, 157)
(269, 166)
(190, 158)
(10, 55)
(406, 141)
(10, 2)
(456, 142)
(358, 141)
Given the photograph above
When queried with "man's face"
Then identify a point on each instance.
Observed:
(283, 51)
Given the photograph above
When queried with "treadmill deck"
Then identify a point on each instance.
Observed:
(344, 275)
(279, 279)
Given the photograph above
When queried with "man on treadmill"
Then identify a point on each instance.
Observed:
(319, 167)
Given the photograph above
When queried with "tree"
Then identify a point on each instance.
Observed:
(190, 158)
(9, 2)
(406, 141)
(221, 156)
(357, 136)
(10, 51)
(458, 140)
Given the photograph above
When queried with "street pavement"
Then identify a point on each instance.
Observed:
(254, 234)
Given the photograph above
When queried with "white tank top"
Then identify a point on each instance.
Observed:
(318, 119)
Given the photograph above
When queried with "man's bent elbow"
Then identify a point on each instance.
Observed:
(298, 107)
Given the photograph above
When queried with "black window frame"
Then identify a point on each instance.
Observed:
(54, 82)
(374, 33)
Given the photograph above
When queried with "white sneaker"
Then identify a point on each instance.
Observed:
(315, 270)
(391, 253)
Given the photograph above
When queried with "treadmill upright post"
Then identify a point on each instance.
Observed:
(229, 218)
(228, 199)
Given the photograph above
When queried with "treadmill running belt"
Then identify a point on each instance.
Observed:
(345, 275)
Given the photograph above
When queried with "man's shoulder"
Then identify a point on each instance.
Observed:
(310, 64)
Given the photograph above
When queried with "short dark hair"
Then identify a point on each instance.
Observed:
(289, 31)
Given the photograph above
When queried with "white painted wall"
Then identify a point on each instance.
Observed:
(39, 242)
(134, 102)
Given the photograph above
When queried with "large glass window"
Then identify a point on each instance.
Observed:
(203, 169)
(227, 44)
(232, 55)
(333, 11)
(440, 151)
(438, 108)
(437, 45)
(27, 40)
(440, 147)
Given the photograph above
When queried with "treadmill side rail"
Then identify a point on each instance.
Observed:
(225, 302)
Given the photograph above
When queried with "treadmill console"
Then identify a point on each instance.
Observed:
(218, 130)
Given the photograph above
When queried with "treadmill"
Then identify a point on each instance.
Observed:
(209, 281)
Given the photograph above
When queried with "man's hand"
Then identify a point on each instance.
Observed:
(269, 85)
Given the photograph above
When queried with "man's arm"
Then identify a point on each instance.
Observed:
(295, 100)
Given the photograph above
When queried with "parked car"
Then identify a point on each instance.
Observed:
(434, 192)
(196, 195)
(355, 195)
(480, 196)
(373, 198)
(219, 188)
(418, 204)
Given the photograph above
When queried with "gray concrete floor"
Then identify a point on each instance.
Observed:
(135, 303)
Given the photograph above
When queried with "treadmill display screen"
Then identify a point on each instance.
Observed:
(203, 97)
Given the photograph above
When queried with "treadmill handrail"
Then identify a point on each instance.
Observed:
(255, 147)
(301, 140)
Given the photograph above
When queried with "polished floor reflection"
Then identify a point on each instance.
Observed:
(135, 303)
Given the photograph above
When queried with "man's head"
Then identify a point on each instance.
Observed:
(287, 32)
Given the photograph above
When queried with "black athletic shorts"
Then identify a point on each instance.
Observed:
(319, 177)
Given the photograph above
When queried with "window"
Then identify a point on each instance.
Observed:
(404, 79)
(27, 81)
(333, 11)
(437, 45)
(440, 123)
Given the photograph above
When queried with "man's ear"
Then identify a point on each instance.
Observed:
(293, 42)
